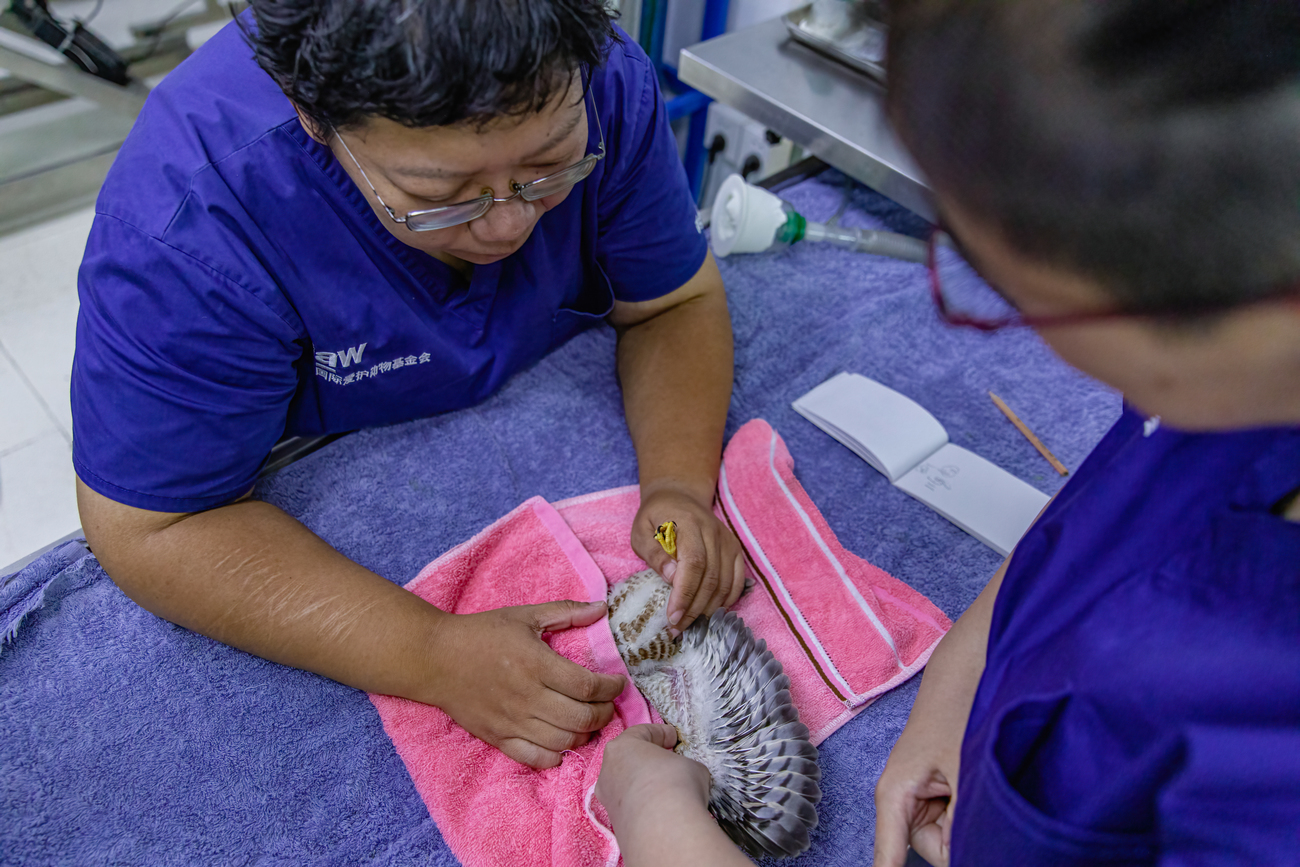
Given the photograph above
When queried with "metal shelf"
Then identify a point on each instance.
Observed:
(828, 109)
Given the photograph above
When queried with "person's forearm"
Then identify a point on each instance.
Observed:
(677, 832)
(676, 373)
(917, 793)
(250, 576)
(953, 673)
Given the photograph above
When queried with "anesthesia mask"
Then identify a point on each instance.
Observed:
(748, 219)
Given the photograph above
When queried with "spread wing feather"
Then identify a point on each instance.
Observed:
(730, 701)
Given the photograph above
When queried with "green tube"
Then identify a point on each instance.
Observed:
(793, 230)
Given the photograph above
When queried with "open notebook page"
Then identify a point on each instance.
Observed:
(980, 497)
(887, 430)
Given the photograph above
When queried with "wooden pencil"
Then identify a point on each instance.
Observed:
(1029, 435)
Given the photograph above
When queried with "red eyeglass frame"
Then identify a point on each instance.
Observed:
(1015, 320)
(1018, 319)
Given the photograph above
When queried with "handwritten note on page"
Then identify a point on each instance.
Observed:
(898, 437)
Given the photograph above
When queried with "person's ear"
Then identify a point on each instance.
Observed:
(311, 128)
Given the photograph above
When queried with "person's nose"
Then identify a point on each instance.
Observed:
(505, 221)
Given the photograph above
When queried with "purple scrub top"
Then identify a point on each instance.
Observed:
(237, 286)
(1141, 700)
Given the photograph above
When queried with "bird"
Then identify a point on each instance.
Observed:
(729, 699)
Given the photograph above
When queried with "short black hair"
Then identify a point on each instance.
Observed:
(425, 63)
(1152, 145)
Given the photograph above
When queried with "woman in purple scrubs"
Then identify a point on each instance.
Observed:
(338, 215)
(1127, 688)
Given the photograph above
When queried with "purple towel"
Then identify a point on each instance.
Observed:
(124, 739)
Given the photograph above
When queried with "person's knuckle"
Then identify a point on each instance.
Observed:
(552, 738)
(881, 792)
(582, 718)
(887, 790)
(586, 688)
(520, 750)
(691, 560)
(604, 712)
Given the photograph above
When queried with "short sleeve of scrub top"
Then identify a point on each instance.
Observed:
(1141, 699)
(237, 286)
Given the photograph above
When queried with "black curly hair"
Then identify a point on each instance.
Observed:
(425, 63)
(1152, 145)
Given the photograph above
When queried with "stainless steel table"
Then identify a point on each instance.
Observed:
(824, 107)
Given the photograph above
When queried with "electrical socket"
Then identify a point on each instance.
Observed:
(747, 141)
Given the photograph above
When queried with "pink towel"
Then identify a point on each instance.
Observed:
(490, 809)
(844, 630)
(858, 630)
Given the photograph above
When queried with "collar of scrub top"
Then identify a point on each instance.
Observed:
(462, 212)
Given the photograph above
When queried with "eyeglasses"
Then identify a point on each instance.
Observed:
(462, 212)
(964, 298)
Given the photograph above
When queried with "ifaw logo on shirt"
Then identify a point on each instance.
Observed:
(349, 356)
(328, 365)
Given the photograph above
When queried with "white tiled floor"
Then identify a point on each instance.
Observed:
(38, 315)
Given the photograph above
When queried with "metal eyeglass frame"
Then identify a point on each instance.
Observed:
(426, 220)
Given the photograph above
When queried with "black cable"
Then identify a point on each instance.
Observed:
(99, 4)
(716, 146)
(77, 43)
(160, 27)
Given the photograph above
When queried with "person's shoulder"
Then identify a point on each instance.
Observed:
(625, 78)
(626, 57)
(212, 107)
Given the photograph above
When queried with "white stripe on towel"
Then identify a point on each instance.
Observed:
(834, 561)
(810, 637)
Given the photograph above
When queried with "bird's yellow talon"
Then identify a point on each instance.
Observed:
(666, 536)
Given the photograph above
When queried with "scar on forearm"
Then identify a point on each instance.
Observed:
(269, 593)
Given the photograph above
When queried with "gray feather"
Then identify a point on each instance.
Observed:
(729, 700)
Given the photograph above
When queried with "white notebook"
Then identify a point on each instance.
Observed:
(897, 436)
